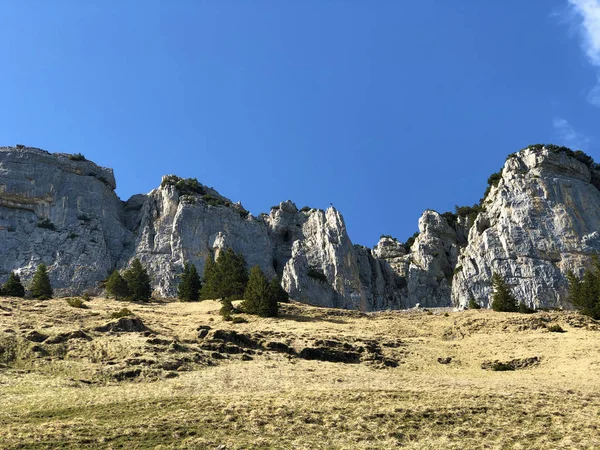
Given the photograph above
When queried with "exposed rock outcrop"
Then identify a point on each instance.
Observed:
(541, 220)
(62, 212)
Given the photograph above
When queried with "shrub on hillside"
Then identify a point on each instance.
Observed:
(260, 296)
(190, 284)
(123, 312)
(473, 304)
(502, 297)
(13, 286)
(77, 157)
(584, 293)
(116, 285)
(138, 282)
(46, 223)
(76, 303)
(40, 285)
(225, 277)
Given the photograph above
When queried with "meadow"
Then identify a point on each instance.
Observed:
(175, 375)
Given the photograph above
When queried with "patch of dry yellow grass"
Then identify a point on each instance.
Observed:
(278, 402)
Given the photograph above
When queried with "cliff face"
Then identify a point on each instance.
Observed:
(60, 212)
(541, 220)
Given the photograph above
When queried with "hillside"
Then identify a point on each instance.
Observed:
(175, 375)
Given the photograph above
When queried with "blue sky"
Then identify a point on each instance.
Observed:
(383, 108)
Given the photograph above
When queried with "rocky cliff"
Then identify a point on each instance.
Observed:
(539, 219)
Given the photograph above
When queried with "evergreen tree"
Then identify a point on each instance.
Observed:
(473, 303)
(585, 294)
(13, 286)
(226, 309)
(231, 276)
(189, 287)
(260, 296)
(281, 296)
(116, 285)
(40, 286)
(226, 277)
(138, 282)
(502, 298)
(209, 280)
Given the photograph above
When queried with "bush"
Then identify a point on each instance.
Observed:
(138, 282)
(238, 319)
(40, 286)
(77, 157)
(189, 287)
(226, 308)
(473, 304)
(410, 241)
(555, 328)
(502, 297)
(116, 285)
(123, 312)
(184, 185)
(46, 223)
(76, 303)
(13, 286)
(524, 309)
(214, 201)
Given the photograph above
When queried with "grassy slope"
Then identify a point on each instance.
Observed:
(67, 398)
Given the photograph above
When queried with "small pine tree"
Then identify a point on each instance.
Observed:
(116, 285)
(232, 275)
(40, 285)
(225, 277)
(473, 303)
(226, 308)
(138, 282)
(585, 294)
(13, 286)
(281, 296)
(189, 287)
(260, 296)
(502, 298)
(209, 280)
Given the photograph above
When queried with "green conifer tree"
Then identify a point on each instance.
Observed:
(13, 286)
(116, 285)
(473, 303)
(40, 285)
(209, 280)
(231, 275)
(260, 296)
(138, 282)
(189, 287)
(502, 298)
(584, 293)
(281, 296)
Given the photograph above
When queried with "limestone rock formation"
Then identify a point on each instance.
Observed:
(541, 220)
(60, 210)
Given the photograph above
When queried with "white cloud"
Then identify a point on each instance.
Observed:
(568, 135)
(587, 13)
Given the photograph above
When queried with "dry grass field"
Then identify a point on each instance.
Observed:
(313, 378)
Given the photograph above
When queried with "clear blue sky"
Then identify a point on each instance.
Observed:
(383, 108)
